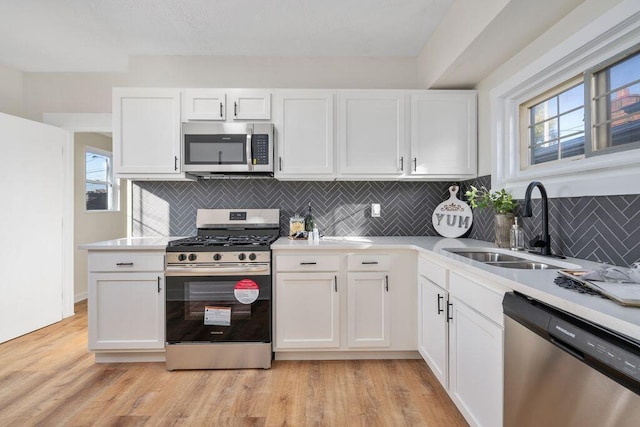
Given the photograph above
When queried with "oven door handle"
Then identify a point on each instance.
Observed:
(220, 270)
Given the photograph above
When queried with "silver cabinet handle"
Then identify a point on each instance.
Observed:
(124, 264)
(335, 283)
(369, 262)
(159, 288)
(221, 109)
(386, 283)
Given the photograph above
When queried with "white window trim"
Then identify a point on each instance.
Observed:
(114, 201)
(611, 174)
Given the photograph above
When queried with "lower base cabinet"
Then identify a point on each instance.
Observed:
(461, 339)
(126, 303)
(368, 313)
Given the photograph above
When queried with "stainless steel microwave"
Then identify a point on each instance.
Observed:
(212, 148)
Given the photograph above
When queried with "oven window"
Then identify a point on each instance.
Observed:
(216, 149)
(222, 309)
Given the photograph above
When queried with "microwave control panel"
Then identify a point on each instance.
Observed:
(260, 149)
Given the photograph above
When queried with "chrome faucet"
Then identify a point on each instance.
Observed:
(540, 241)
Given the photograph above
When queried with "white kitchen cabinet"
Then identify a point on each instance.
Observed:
(371, 134)
(307, 310)
(203, 104)
(444, 134)
(249, 104)
(433, 329)
(475, 363)
(146, 133)
(368, 314)
(126, 301)
(461, 339)
(304, 126)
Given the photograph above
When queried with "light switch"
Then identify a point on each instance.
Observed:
(375, 210)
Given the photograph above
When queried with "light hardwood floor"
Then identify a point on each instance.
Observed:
(49, 378)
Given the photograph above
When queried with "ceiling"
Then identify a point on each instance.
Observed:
(100, 35)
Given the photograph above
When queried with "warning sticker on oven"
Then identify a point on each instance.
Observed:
(218, 316)
(246, 291)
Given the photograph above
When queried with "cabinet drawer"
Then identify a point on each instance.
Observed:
(485, 301)
(126, 261)
(311, 262)
(368, 262)
(432, 271)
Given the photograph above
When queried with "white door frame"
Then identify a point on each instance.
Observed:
(72, 122)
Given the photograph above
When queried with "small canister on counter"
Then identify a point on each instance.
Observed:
(296, 225)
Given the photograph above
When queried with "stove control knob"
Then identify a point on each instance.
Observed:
(192, 257)
(242, 257)
(217, 257)
(252, 257)
(182, 257)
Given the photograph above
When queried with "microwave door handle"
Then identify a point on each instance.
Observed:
(249, 159)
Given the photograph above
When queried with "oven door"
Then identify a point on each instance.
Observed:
(231, 308)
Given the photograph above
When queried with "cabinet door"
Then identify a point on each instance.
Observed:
(307, 310)
(368, 314)
(432, 328)
(250, 105)
(475, 363)
(126, 311)
(444, 134)
(146, 131)
(371, 133)
(304, 130)
(203, 104)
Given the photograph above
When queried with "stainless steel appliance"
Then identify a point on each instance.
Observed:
(218, 291)
(561, 370)
(212, 149)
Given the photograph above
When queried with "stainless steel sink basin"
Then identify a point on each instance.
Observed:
(486, 256)
(499, 259)
(523, 265)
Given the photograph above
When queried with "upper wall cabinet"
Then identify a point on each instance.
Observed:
(303, 121)
(146, 132)
(371, 134)
(444, 134)
(203, 104)
(226, 104)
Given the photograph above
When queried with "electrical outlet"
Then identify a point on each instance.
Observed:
(375, 210)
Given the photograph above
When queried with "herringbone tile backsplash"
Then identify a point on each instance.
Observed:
(596, 228)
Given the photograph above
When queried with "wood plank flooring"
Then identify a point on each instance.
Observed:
(49, 378)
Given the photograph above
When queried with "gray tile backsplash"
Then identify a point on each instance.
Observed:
(596, 228)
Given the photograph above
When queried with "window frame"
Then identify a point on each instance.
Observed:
(112, 183)
(616, 173)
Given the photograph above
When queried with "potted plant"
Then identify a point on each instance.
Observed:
(503, 206)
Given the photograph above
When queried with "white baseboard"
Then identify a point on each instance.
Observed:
(79, 297)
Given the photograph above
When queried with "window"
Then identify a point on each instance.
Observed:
(558, 125)
(99, 180)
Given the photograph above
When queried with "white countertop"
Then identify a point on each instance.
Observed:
(537, 284)
(130, 243)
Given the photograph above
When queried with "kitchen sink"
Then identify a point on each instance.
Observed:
(504, 260)
(524, 265)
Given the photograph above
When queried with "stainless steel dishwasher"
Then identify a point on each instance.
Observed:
(561, 370)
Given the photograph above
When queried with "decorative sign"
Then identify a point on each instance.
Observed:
(218, 316)
(452, 218)
(246, 291)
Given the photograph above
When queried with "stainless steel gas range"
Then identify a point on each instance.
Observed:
(218, 296)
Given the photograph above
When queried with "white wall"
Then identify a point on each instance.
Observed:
(571, 23)
(11, 92)
(91, 92)
(91, 226)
